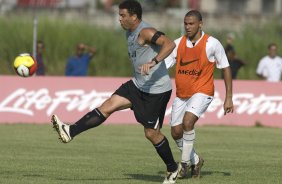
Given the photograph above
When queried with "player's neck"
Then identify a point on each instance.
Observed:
(195, 38)
(134, 27)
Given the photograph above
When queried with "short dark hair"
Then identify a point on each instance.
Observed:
(133, 7)
(272, 45)
(194, 13)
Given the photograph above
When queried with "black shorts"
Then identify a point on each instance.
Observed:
(149, 109)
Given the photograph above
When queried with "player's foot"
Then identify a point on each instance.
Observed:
(184, 171)
(62, 129)
(196, 169)
(171, 177)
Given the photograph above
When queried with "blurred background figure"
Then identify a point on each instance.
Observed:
(41, 66)
(78, 64)
(270, 66)
(234, 62)
(230, 37)
(107, 4)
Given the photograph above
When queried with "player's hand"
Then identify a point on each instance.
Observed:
(145, 68)
(228, 106)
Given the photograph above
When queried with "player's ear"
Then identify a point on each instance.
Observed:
(134, 17)
(201, 24)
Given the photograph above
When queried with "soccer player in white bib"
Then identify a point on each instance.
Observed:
(196, 54)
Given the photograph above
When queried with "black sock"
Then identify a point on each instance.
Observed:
(165, 153)
(90, 120)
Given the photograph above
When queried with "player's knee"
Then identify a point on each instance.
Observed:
(188, 126)
(151, 134)
(104, 111)
(176, 133)
(107, 108)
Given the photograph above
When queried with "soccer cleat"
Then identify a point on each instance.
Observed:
(171, 177)
(196, 169)
(62, 129)
(184, 171)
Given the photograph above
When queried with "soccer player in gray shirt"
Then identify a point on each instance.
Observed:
(147, 94)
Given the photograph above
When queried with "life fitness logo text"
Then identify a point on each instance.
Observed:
(27, 102)
(22, 101)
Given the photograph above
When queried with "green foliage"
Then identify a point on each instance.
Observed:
(251, 45)
(61, 37)
(121, 154)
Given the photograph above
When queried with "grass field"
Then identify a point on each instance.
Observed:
(114, 154)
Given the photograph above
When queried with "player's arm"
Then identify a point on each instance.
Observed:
(261, 76)
(260, 69)
(228, 103)
(170, 60)
(152, 36)
(222, 63)
(241, 61)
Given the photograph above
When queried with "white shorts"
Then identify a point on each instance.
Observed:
(197, 104)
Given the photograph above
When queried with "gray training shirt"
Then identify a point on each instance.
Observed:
(157, 81)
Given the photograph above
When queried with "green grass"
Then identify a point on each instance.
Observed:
(120, 154)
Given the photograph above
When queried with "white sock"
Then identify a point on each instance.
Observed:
(179, 143)
(195, 158)
(187, 149)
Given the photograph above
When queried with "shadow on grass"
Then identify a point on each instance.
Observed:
(93, 179)
(143, 177)
(33, 175)
(146, 177)
(203, 173)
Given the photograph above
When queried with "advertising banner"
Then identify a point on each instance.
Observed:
(35, 99)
